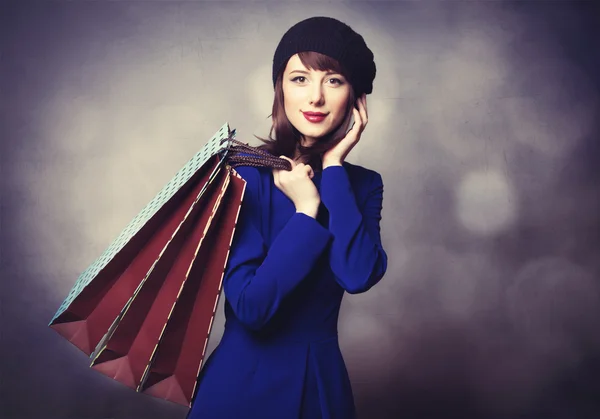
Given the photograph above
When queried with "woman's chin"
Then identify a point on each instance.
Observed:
(314, 134)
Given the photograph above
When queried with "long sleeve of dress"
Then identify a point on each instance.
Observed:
(357, 257)
(257, 279)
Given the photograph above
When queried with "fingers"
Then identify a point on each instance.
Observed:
(277, 172)
(360, 114)
(297, 167)
(276, 177)
(364, 112)
(309, 171)
(357, 127)
(305, 168)
(292, 163)
(360, 118)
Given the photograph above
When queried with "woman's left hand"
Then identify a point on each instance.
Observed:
(338, 154)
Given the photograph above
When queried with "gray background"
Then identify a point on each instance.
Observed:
(484, 124)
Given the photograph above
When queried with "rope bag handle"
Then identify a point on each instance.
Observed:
(259, 158)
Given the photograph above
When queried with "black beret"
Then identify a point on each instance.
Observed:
(335, 39)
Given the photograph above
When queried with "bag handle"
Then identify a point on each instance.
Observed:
(259, 158)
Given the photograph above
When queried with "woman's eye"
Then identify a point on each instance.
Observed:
(302, 79)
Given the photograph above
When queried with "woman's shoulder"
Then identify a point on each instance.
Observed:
(252, 174)
(256, 178)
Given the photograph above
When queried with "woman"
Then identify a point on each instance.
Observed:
(303, 238)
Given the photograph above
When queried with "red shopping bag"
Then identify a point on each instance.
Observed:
(144, 309)
(127, 348)
(104, 289)
(174, 370)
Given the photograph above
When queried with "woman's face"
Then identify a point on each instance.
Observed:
(314, 101)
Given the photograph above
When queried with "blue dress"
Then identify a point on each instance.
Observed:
(279, 357)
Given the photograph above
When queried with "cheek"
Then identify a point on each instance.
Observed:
(340, 108)
(289, 100)
(340, 99)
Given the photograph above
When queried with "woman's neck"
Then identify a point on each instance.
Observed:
(302, 159)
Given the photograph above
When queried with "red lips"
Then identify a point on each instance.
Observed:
(314, 116)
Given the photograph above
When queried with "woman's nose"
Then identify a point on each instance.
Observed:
(316, 94)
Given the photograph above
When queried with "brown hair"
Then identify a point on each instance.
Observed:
(287, 138)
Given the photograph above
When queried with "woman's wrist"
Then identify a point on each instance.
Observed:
(331, 162)
(309, 209)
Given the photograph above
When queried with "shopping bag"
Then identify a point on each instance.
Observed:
(103, 290)
(144, 310)
(127, 348)
(173, 373)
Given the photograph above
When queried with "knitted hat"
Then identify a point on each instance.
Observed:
(335, 39)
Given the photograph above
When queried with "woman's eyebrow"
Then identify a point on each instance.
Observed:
(306, 72)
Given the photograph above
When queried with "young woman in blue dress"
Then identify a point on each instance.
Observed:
(304, 237)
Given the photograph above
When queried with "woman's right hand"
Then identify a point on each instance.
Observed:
(297, 185)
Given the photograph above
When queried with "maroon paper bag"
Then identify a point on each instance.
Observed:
(104, 289)
(144, 309)
(127, 348)
(90, 315)
(178, 358)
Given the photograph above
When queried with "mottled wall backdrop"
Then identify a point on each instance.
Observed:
(484, 123)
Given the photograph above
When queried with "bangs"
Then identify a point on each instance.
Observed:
(320, 62)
